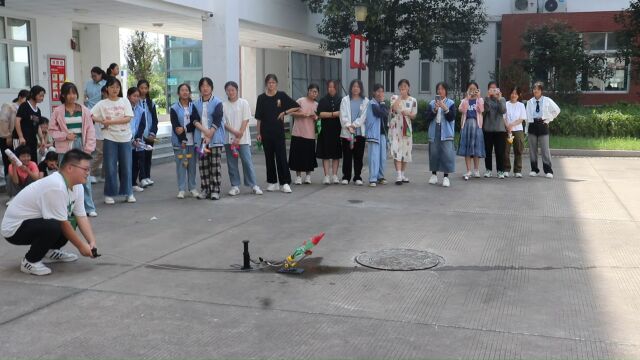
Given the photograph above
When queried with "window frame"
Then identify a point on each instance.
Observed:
(30, 49)
(421, 91)
(607, 53)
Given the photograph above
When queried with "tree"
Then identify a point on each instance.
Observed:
(141, 55)
(628, 38)
(558, 58)
(394, 28)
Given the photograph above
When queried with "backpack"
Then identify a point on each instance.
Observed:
(7, 119)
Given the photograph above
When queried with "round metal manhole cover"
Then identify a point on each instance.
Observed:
(398, 259)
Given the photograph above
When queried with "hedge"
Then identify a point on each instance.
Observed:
(619, 120)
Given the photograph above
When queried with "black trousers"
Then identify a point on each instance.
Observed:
(494, 140)
(275, 155)
(5, 158)
(43, 235)
(356, 155)
(138, 162)
(147, 160)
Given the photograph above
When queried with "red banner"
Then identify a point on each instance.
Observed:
(58, 74)
(358, 50)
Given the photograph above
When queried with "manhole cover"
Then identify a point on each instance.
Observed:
(398, 259)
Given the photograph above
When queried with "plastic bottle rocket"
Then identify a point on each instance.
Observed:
(13, 157)
(234, 150)
(302, 251)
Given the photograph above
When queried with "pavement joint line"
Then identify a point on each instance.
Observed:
(43, 306)
(395, 321)
(613, 192)
(209, 236)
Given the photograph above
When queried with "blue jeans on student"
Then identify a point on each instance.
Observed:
(377, 155)
(183, 172)
(117, 164)
(89, 206)
(244, 153)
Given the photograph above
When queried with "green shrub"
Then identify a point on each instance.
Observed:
(620, 120)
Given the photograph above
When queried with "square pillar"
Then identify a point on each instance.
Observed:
(221, 45)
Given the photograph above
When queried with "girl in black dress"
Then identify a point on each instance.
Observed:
(329, 148)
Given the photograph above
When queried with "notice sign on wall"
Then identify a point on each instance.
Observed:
(57, 73)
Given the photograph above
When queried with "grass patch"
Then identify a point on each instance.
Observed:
(575, 142)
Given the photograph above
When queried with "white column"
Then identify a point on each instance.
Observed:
(221, 45)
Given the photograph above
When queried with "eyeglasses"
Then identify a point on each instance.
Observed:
(86, 169)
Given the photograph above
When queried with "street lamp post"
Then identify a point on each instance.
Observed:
(361, 16)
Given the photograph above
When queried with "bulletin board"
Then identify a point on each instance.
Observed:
(57, 76)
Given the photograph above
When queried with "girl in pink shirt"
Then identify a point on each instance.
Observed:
(302, 152)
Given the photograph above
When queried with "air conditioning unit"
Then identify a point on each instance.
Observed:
(524, 6)
(553, 6)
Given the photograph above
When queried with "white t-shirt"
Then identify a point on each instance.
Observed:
(113, 110)
(515, 112)
(47, 199)
(234, 114)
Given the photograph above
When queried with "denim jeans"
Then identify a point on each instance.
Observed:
(89, 206)
(244, 153)
(183, 172)
(117, 164)
(377, 155)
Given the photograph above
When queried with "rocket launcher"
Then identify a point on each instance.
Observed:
(302, 251)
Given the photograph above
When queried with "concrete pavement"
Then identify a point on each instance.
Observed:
(533, 268)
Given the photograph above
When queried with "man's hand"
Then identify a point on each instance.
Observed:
(85, 250)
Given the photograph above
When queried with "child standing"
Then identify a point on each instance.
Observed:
(376, 130)
(138, 146)
(471, 136)
(404, 109)
(183, 118)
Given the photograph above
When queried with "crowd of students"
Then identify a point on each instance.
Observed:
(120, 133)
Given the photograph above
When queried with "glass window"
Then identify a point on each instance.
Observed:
(2, 34)
(612, 42)
(595, 41)
(19, 29)
(451, 75)
(4, 67)
(299, 79)
(19, 69)
(316, 67)
(605, 43)
(425, 76)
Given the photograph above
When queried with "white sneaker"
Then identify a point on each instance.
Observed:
(372, 184)
(149, 181)
(109, 200)
(500, 175)
(549, 176)
(202, 196)
(131, 199)
(92, 214)
(326, 180)
(194, 193)
(399, 180)
(298, 180)
(467, 175)
(506, 174)
(234, 191)
(445, 182)
(433, 179)
(286, 189)
(405, 179)
(359, 182)
(476, 173)
(382, 181)
(215, 196)
(335, 179)
(273, 187)
(487, 174)
(518, 175)
(180, 195)
(34, 268)
(533, 174)
(307, 179)
(345, 182)
(138, 189)
(144, 183)
(256, 190)
(57, 255)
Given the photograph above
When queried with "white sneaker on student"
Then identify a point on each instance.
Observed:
(518, 175)
(476, 173)
(194, 193)
(467, 175)
(433, 179)
(286, 188)
(399, 180)
(307, 179)
(131, 199)
(405, 179)
(326, 180)
(57, 255)
(273, 187)
(37, 268)
(256, 190)
(533, 174)
(92, 214)
(138, 189)
(345, 182)
(149, 181)
(500, 175)
(487, 174)
(203, 195)
(298, 180)
(234, 191)
(549, 176)
(445, 182)
(180, 195)
(506, 174)
(144, 183)
(109, 200)
(359, 182)
(335, 179)
(215, 196)
(372, 184)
